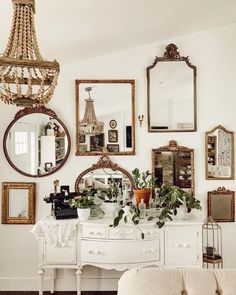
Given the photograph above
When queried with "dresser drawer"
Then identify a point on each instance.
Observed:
(60, 255)
(119, 251)
(149, 233)
(94, 232)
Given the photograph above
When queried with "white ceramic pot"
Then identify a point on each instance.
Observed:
(109, 209)
(83, 214)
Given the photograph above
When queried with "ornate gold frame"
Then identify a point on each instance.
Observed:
(6, 187)
(226, 193)
(104, 162)
(77, 83)
(206, 153)
(174, 147)
(172, 54)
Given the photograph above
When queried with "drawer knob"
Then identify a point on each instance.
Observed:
(91, 233)
(98, 233)
(178, 245)
(186, 245)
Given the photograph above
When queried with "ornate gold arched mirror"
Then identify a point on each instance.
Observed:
(101, 173)
(173, 164)
(171, 88)
(219, 153)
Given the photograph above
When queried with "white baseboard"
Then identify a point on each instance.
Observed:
(62, 284)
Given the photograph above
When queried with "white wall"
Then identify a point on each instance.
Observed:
(213, 52)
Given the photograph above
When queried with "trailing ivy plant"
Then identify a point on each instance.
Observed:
(123, 215)
(171, 198)
(143, 180)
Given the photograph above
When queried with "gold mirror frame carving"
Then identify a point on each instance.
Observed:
(172, 54)
(206, 153)
(174, 147)
(6, 187)
(104, 162)
(77, 99)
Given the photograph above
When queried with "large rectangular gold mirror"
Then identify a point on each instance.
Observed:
(171, 88)
(105, 117)
(18, 203)
(219, 153)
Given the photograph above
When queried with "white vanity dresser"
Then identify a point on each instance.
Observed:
(71, 244)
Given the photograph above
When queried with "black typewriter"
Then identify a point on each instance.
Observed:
(60, 207)
(61, 210)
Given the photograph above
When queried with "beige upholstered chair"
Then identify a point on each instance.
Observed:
(155, 281)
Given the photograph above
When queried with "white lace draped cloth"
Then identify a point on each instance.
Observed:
(55, 232)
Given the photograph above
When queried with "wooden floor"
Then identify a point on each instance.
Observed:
(57, 293)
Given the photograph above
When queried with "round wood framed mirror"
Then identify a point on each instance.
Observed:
(36, 143)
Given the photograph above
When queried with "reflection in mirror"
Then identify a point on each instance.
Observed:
(18, 203)
(99, 175)
(219, 147)
(105, 117)
(100, 179)
(174, 165)
(171, 88)
(36, 142)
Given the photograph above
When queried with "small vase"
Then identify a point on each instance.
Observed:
(142, 194)
(109, 209)
(184, 212)
(83, 214)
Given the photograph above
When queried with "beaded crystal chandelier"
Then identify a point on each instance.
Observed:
(90, 125)
(26, 79)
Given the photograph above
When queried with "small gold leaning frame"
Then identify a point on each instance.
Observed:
(6, 187)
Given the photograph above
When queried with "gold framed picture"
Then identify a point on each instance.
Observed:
(221, 205)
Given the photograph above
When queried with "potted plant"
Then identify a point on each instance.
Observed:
(110, 199)
(143, 185)
(171, 198)
(84, 203)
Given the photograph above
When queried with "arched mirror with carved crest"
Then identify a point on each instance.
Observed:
(171, 93)
(36, 143)
(100, 174)
(219, 154)
(173, 164)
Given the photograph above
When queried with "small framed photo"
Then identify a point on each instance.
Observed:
(82, 138)
(83, 148)
(221, 205)
(113, 135)
(97, 143)
(48, 166)
(113, 124)
(65, 189)
(113, 148)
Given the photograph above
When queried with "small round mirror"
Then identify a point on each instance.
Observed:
(36, 143)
